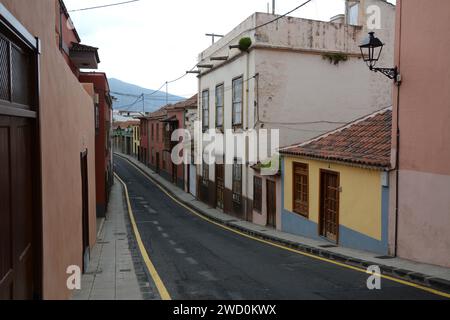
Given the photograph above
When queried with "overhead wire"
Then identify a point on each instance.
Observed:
(104, 6)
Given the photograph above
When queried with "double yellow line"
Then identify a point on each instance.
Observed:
(404, 282)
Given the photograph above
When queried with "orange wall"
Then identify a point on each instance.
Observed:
(422, 54)
(67, 128)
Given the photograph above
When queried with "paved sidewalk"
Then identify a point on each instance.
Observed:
(424, 274)
(116, 270)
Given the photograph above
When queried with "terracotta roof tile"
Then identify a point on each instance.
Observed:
(364, 142)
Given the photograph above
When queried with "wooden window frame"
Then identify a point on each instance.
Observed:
(234, 103)
(237, 194)
(221, 87)
(257, 200)
(305, 204)
(205, 110)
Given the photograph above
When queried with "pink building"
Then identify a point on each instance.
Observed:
(421, 116)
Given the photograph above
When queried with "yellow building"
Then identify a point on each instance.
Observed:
(336, 187)
(136, 139)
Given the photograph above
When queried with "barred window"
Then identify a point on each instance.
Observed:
(237, 182)
(205, 173)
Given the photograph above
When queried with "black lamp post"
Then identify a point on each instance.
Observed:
(371, 48)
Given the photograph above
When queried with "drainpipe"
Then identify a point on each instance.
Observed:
(246, 113)
(397, 155)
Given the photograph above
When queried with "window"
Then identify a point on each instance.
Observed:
(157, 132)
(353, 13)
(153, 132)
(237, 182)
(301, 193)
(97, 118)
(219, 105)
(257, 194)
(205, 173)
(237, 101)
(205, 109)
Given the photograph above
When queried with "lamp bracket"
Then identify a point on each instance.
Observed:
(391, 73)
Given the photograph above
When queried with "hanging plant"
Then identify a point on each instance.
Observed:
(245, 44)
(335, 58)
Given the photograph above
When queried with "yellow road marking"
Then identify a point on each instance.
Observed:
(151, 268)
(404, 282)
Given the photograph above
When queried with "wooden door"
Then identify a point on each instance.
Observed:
(157, 162)
(174, 173)
(85, 208)
(16, 208)
(220, 185)
(271, 204)
(329, 205)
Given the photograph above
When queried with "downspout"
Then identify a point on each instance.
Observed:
(246, 113)
(397, 154)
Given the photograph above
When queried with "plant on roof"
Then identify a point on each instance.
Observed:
(245, 43)
(335, 58)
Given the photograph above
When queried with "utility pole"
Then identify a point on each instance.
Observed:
(167, 93)
(273, 6)
(143, 104)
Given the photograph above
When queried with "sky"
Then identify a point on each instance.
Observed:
(150, 42)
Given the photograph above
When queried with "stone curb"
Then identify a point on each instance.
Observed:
(398, 273)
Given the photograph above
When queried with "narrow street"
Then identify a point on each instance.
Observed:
(199, 260)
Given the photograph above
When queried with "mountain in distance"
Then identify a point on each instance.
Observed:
(126, 99)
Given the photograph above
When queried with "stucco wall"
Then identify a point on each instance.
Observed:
(67, 128)
(303, 95)
(422, 56)
(363, 211)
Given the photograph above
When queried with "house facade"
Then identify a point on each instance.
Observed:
(322, 197)
(136, 140)
(49, 217)
(300, 77)
(421, 202)
(103, 153)
(161, 124)
(123, 136)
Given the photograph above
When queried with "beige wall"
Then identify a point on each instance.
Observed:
(67, 128)
(422, 48)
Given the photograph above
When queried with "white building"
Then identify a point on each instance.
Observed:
(303, 77)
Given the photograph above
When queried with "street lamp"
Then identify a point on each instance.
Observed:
(371, 48)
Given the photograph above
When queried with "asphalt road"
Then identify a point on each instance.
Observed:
(199, 260)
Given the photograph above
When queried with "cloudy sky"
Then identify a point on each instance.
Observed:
(150, 41)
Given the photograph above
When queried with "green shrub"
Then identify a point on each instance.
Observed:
(245, 44)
